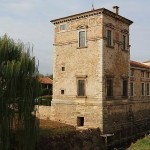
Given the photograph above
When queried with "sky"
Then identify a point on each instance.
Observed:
(29, 21)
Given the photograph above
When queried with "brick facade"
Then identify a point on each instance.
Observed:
(102, 61)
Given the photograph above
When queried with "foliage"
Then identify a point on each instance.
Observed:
(46, 92)
(51, 76)
(44, 100)
(67, 138)
(142, 144)
(18, 89)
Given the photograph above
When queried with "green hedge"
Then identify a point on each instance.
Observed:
(44, 100)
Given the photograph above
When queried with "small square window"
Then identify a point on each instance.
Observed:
(62, 68)
(63, 27)
(62, 92)
(80, 121)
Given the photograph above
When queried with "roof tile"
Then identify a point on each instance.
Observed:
(45, 80)
(138, 64)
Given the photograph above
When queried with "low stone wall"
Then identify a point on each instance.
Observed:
(126, 115)
(43, 112)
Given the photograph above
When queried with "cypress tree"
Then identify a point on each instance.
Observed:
(18, 89)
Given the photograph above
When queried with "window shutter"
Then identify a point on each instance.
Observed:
(124, 87)
(124, 42)
(109, 87)
(109, 34)
(82, 39)
(81, 87)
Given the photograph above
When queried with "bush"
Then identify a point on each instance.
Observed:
(44, 100)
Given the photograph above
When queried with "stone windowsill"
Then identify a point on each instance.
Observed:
(112, 47)
(124, 97)
(81, 96)
(109, 97)
(125, 50)
(81, 47)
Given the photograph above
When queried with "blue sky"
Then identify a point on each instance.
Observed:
(29, 20)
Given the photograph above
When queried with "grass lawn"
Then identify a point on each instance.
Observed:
(142, 144)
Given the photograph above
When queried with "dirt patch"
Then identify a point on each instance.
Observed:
(48, 127)
(48, 124)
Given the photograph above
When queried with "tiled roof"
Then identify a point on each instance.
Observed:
(45, 80)
(147, 61)
(139, 65)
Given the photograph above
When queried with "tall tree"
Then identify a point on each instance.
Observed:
(18, 89)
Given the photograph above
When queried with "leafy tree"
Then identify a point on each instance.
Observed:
(48, 75)
(51, 76)
(18, 89)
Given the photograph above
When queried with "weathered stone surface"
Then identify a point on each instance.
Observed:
(96, 62)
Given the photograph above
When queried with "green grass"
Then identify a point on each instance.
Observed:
(142, 144)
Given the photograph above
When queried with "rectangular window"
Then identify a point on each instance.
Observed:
(109, 87)
(131, 89)
(142, 74)
(142, 89)
(125, 88)
(62, 92)
(124, 42)
(109, 38)
(82, 39)
(62, 68)
(132, 72)
(81, 88)
(80, 121)
(147, 74)
(147, 89)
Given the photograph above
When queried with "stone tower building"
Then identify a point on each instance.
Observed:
(91, 70)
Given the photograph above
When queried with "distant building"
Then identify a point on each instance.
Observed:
(46, 84)
(139, 81)
(95, 84)
(147, 62)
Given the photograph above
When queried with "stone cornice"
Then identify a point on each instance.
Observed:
(110, 25)
(114, 15)
(138, 65)
(91, 13)
(75, 41)
(139, 68)
(77, 16)
(82, 27)
(125, 31)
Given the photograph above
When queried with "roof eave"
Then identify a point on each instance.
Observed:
(75, 15)
(101, 10)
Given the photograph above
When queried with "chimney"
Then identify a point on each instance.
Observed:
(116, 10)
